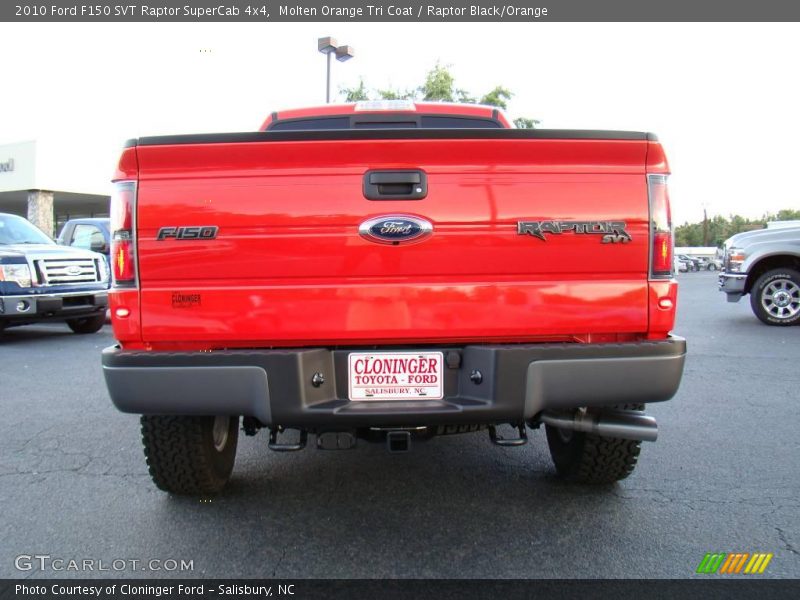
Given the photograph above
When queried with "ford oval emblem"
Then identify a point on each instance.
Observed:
(395, 229)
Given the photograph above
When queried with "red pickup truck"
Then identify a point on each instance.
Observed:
(390, 272)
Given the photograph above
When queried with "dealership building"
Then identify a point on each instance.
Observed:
(41, 183)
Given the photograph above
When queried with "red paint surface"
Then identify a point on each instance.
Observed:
(288, 267)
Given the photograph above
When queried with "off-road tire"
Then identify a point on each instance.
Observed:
(86, 325)
(182, 457)
(767, 283)
(589, 458)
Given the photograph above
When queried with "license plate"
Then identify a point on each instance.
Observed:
(396, 376)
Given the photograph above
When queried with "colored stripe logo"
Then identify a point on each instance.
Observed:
(734, 563)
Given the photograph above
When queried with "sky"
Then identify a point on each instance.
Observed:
(723, 98)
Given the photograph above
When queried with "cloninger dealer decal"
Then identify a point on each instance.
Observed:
(612, 231)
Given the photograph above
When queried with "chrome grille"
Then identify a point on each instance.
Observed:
(68, 270)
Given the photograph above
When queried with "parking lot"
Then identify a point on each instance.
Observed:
(724, 476)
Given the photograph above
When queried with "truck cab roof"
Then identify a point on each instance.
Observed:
(388, 114)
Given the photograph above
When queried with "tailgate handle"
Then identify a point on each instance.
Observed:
(395, 185)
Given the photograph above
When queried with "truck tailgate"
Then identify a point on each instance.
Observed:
(288, 266)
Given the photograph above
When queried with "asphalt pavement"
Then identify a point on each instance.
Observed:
(724, 476)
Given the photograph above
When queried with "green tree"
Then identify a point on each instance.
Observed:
(499, 97)
(356, 94)
(525, 123)
(720, 228)
(439, 86)
(787, 214)
(464, 96)
(390, 94)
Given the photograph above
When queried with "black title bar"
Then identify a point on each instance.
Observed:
(708, 588)
(397, 10)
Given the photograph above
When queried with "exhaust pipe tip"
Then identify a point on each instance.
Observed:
(626, 424)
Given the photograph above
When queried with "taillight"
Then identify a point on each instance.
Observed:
(123, 258)
(661, 264)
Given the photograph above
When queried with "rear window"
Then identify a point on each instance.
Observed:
(399, 121)
(445, 122)
(310, 124)
(384, 125)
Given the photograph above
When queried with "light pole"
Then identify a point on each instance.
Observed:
(328, 46)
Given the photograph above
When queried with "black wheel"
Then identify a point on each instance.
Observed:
(190, 455)
(711, 267)
(588, 458)
(87, 324)
(775, 297)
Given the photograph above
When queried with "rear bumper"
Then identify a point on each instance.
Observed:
(274, 386)
(36, 307)
(732, 285)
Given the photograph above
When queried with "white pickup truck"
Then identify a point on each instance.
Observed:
(765, 264)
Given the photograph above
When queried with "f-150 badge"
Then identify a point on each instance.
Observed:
(612, 232)
(204, 232)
